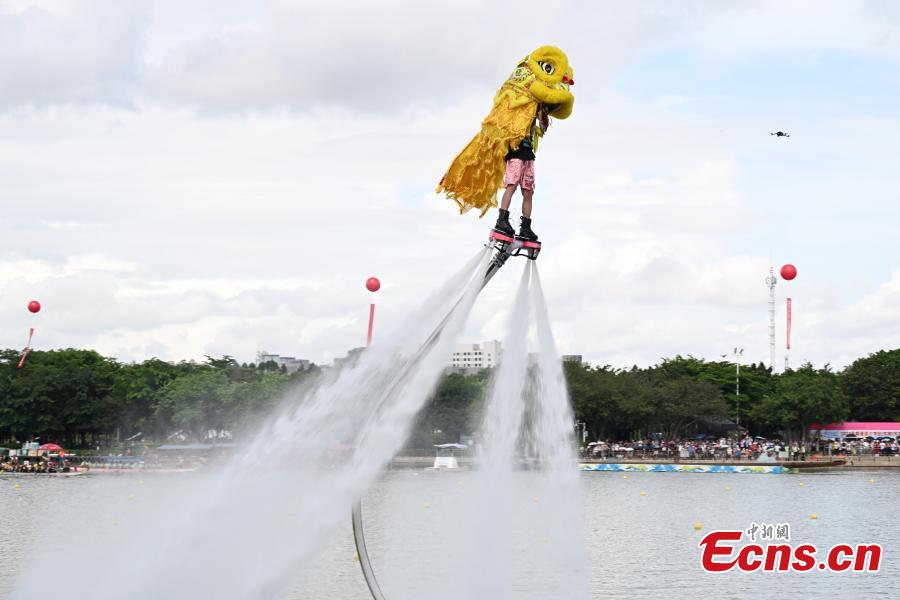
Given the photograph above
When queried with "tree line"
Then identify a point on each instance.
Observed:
(684, 396)
(79, 397)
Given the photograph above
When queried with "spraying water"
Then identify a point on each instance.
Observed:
(500, 431)
(246, 533)
(529, 423)
(564, 557)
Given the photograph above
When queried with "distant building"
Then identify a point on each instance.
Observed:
(476, 356)
(290, 363)
(574, 358)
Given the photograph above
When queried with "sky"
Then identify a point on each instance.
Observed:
(215, 177)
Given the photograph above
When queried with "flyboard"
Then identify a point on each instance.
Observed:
(504, 247)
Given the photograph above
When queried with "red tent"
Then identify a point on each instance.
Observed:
(50, 448)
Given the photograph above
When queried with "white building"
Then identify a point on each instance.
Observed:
(476, 356)
(288, 362)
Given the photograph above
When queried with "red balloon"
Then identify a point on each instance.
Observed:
(788, 272)
(372, 284)
(34, 306)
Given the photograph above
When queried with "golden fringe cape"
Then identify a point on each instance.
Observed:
(476, 174)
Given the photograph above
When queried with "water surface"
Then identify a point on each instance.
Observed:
(420, 531)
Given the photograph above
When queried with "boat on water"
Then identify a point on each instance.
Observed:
(151, 470)
(28, 475)
(445, 457)
(48, 460)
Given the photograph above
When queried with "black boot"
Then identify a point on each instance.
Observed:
(503, 225)
(525, 231)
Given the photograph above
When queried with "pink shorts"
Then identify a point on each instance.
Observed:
(519, 172)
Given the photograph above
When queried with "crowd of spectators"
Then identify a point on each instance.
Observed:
(744, 448)
(703, 448)
(869, 446)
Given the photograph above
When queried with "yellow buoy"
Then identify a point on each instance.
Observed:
(624, 476)
(698, 526)
(356, 557)
(727, 488)
(18, 485)
(814, 516)
(131, 496)
(802, 484)
(427, 504)
(115, 522)
(871, 481)
(643, 493)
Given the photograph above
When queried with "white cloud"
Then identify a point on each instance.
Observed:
(772, 26)
(391, 55)
(82, 51)
(385, 56)
(161, 231)
(99, 262)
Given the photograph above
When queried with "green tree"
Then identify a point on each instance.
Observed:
(135, 394)
(678, 403)
(250, 400)
(803, 397)
(196, 402)
(755, 382)
(58, 396)
(634, 403)
(873, 386)
(593, 393)
(453, 410)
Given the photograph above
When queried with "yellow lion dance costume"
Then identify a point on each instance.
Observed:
(476, 174)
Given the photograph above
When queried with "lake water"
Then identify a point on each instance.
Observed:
(420, 532)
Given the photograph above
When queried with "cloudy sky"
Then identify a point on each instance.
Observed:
(222, 177)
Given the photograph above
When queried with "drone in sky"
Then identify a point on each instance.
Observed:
(780, 133)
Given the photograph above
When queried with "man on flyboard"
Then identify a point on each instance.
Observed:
(502, 154)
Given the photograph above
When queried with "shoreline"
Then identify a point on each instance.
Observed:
(831, 463)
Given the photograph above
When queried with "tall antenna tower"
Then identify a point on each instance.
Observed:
(771, 280)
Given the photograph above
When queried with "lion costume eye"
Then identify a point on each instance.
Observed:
(547, 67)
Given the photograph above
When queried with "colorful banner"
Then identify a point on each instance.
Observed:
(682, 468)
